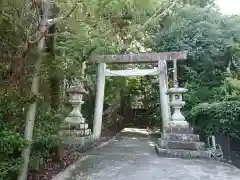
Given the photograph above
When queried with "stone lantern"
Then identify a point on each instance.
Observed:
(178, 121)
(177, 103)
(74, 128)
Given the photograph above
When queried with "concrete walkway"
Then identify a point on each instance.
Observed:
(131, 158)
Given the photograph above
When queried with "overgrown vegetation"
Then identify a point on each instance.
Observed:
(84, 28)
(211, 70)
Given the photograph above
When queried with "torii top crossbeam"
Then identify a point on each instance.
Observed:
(139, 58)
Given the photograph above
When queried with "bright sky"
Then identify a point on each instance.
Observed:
(229, 6)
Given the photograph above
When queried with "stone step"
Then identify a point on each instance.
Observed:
(77, 140)
(188, 154)
(132, 123)
(134, 132)
(181, 137)
(198, 146)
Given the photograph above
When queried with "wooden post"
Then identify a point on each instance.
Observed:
(164, 99)
(97, 123)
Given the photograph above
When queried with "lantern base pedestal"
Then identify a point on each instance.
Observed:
(178, 127)
(78, 143)
(77, 135)
(179, 140)
(74, 130)
(77, 140)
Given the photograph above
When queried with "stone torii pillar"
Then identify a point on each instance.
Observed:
(99, 101)
(164, 98)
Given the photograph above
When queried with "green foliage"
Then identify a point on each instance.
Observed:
(206, 35)
(110, 27)
(11, 144)
(219, 117)
(16, 19)
(198, 94)
(211, 40)
(199, 3)
(12, 119)
(233, 86)
(11, 141)
(45, 137)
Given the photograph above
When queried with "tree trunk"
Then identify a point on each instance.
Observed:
(31, 112)
(54, 77)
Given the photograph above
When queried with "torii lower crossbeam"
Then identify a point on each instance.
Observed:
(132, 72)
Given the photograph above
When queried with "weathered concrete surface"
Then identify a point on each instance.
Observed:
(135, 159)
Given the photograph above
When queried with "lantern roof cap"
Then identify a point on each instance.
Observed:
(78, 89)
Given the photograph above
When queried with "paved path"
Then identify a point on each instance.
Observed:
(135, 159)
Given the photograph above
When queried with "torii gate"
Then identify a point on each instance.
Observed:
(161, 71)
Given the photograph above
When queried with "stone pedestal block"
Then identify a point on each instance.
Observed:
(180, 141)
(190, 145)
(182, 153)
(181, 137)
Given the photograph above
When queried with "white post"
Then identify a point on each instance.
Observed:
(175, 81)
(163, 88)
(214, 143)
(97, 123)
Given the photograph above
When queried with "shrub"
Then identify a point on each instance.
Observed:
(45, 137)
(218, 117)
(11, 144)
(12, 123)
